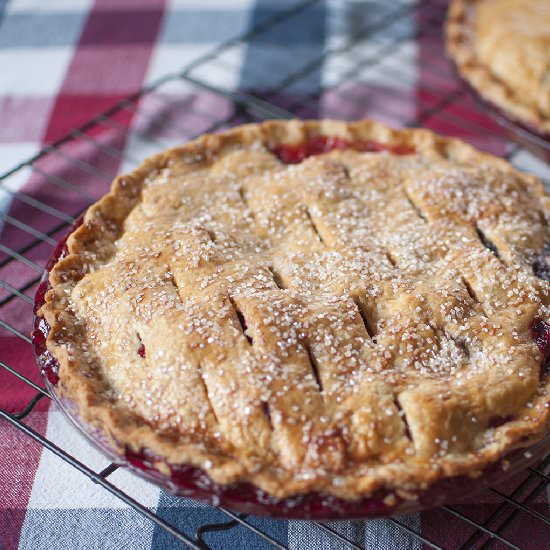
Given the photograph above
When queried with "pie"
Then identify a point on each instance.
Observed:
(310, 307)
(502, 48)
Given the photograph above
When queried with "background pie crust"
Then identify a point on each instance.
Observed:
(354, 322)
(502, 48)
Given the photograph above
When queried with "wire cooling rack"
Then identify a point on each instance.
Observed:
(359, 74)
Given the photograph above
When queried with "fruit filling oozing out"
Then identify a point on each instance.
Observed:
(295, 153)
(540, 332)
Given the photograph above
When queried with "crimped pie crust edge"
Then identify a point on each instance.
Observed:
(103, 222)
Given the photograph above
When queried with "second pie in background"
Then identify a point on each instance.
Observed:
(502, 48)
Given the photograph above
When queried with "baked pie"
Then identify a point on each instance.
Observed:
(502, 47)
(309, 307)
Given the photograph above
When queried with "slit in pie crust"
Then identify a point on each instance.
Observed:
(372, 316)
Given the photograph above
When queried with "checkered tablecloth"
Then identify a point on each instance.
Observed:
(63, 61)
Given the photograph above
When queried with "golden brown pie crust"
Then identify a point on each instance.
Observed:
(335, 326)
(502, 47)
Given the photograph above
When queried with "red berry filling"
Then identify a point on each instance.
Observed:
(540, 333)
(191, 481)
(497, 421)
(295, 153)
(49, 367)
(541, 267)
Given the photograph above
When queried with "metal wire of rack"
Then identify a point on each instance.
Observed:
(361, 77)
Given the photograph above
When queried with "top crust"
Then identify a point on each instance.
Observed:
(502, 47)
(355, 322)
